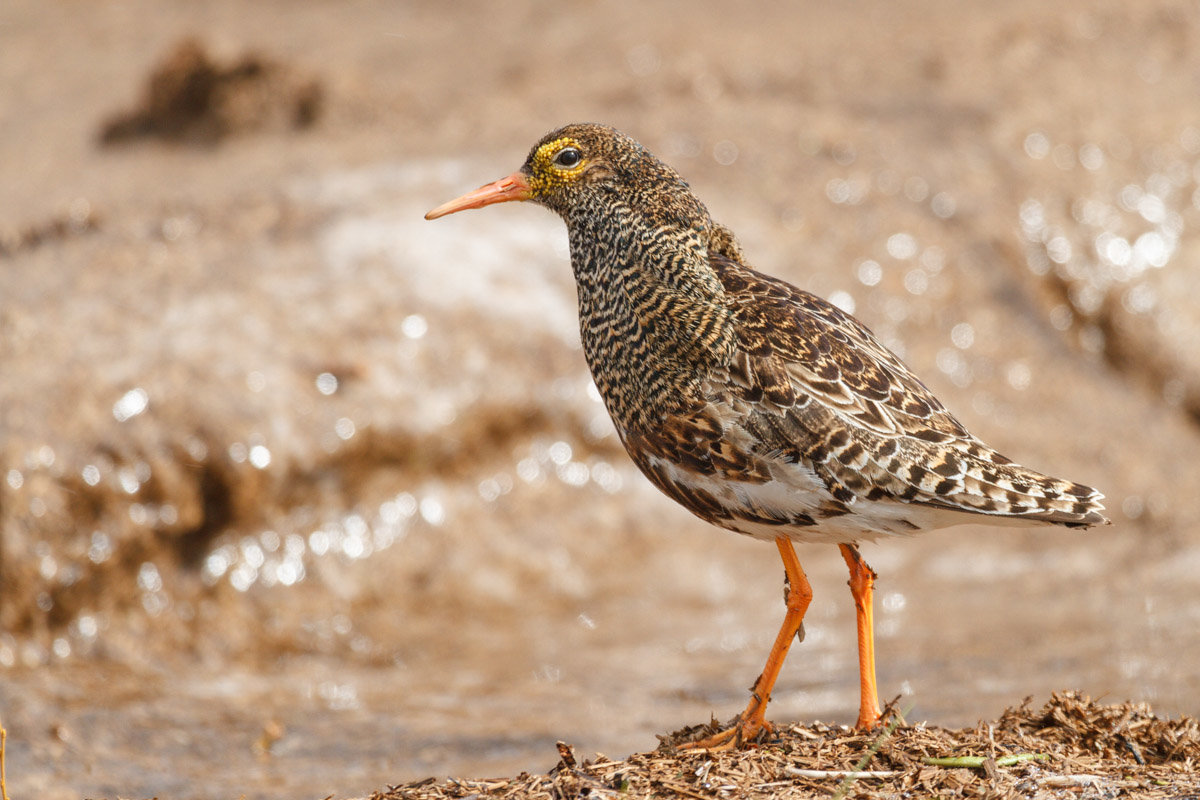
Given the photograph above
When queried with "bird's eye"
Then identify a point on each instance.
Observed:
(567, 158)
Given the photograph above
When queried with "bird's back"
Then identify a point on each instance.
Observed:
(814, 426)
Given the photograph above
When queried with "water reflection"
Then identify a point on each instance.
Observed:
(132, 403)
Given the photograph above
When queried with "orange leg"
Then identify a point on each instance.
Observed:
(862, 584)
(751, 722)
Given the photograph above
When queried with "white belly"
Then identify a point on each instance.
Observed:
(796, 493)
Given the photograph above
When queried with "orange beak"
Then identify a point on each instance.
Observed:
(514, 187)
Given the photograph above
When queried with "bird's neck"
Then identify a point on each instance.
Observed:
(653, 315)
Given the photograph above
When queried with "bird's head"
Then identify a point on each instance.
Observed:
(574, 165)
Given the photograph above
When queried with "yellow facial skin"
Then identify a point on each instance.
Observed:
(546, 174)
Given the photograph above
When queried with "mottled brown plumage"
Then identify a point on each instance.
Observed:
(759, 407)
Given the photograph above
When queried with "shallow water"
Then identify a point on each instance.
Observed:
(301, 494)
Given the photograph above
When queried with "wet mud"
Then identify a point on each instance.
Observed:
(303, 495)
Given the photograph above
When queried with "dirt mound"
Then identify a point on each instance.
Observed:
(191, 97)
(1071, 743)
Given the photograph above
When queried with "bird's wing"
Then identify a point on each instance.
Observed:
(811, 384)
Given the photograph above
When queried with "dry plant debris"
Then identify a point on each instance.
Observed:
(1072, 747)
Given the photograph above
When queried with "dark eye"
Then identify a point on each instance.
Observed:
(567, 157)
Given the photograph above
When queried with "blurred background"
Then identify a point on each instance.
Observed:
(302, 495)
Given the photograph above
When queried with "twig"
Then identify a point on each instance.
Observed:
(976, 762)
(989, 764)
(683, 790)
(793, 772)
(1066, 781)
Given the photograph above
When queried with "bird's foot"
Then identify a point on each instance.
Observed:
(871, 717)
(743, 731)
(868, 722)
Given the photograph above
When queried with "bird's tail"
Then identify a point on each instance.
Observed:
(995, 486)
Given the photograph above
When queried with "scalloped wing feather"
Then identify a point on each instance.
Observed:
(812, 385)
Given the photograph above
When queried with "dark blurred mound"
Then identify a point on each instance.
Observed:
(78, 219)
(192, 98)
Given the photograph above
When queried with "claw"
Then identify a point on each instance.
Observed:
(740, 732)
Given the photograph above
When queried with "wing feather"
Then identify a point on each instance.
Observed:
(813, 385)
